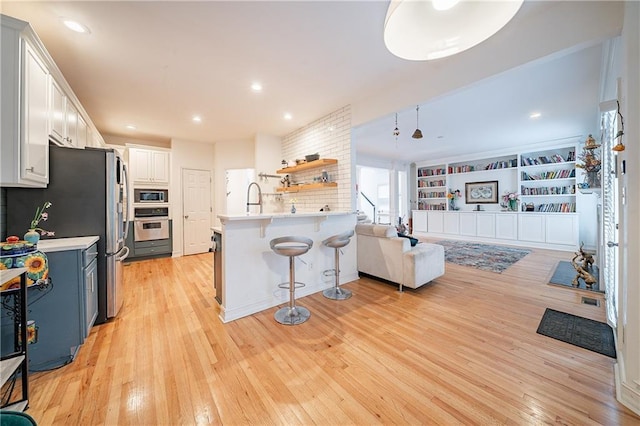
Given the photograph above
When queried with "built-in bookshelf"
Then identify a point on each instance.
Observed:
(432, 187)
(546, 179)
(486, 164)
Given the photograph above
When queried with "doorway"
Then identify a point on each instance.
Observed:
(196, 193)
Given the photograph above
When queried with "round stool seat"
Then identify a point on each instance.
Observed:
(291, 247)
(337, 242)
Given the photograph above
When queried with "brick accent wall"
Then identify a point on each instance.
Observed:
(329, 136)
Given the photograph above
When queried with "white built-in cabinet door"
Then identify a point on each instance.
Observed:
(486, 225)
(81, 135)
(160, 166)
(57, 116)
(149, 166)
(419, 221)
(531, 227)
(562, 229)
(435, 221)
(34, 158)
(451, 223)
(71, 116)
(468, 224)
(507, 226)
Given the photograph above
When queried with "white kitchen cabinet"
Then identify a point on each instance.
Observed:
(149, 166)
(67, 126)
(468, 224)
(419, 221)
(81, 133)
(507, 226)
(435, 221)
(58, 112)
(486, 225)
(451, 223)
(531, 227)
(561, 229)
(25, 108)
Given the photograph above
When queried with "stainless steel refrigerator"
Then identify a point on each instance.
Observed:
(88, 191)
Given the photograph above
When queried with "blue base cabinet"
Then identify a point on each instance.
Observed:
(64, 312)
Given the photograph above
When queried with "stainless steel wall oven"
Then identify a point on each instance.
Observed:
(151, 223)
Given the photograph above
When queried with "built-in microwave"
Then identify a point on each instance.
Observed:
(150, 196)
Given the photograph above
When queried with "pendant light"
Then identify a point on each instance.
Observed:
(418, 133)
(396, 132)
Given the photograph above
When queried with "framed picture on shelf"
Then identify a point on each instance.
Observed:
(481, 192)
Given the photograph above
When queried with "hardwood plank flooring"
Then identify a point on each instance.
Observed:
(461, 350)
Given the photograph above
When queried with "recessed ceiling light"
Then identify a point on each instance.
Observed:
(76, 26)
(287, 116)
(196, 119)
(535, 115)
(256, 87)
(130, 127)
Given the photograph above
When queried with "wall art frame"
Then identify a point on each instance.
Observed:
(481, 192)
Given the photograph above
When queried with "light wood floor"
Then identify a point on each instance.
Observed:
(461, 350)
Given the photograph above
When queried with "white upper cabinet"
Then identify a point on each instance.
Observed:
(149, 166)
(25, 108)
(58, 116)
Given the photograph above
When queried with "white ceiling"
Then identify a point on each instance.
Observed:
(155, 64)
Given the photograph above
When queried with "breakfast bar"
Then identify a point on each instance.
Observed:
(251, 271)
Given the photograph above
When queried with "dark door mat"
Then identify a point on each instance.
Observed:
(565, 273)
(583, 332)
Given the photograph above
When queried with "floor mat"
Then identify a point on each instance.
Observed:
(565, 273)
(583, 332)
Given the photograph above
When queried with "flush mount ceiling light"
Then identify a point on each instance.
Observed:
(418, 133)
(420, 30)
(75, 26)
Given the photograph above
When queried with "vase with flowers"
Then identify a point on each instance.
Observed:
(510, 199)
(453, 196)
(34, 231)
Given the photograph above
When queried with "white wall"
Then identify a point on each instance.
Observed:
(186, 155)
(239, 154)
(628, 333)
(268, 155)
(329, 136)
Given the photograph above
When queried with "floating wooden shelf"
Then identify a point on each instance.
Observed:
(308, 187)
(310, 165)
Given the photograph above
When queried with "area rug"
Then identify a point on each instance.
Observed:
(565, 273)
(481, 256)
(583, 332)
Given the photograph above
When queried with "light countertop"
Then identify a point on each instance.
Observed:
(257, 216)
(63, 244)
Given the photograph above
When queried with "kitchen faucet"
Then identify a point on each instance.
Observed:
(259, 203)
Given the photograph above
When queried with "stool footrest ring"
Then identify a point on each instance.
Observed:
(286, 285)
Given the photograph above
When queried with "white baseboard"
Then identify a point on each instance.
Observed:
(626, 394)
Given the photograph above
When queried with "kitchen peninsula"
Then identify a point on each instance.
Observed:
(251, 271)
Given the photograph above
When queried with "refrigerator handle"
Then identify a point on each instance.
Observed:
(126, 186)
(123, 256)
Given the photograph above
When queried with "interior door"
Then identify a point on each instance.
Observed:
(196, 211)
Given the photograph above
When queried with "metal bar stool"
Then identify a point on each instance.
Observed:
(337, 242)
(291, 247)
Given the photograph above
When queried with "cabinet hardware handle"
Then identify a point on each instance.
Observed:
(31, 169)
